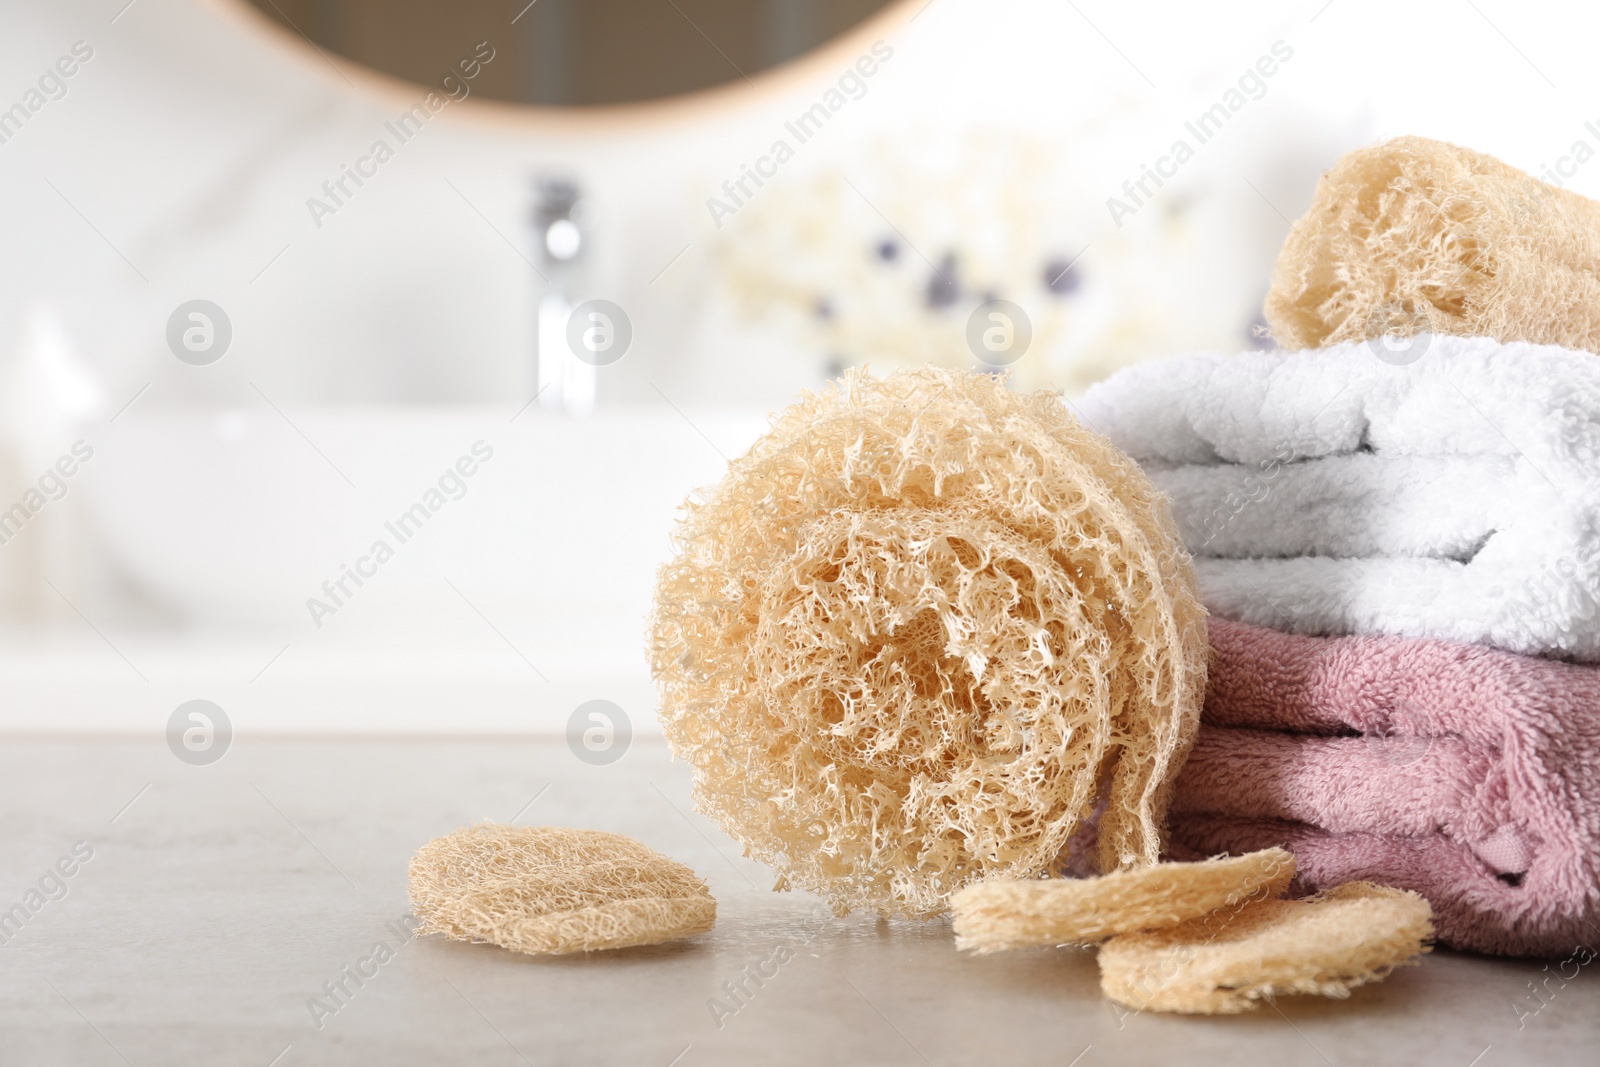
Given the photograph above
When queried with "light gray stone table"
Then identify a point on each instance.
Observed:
(220, 899)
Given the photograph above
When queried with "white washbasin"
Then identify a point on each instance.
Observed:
(240, 517)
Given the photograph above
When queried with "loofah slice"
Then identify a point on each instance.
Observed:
(547, 890)
(914, 629)
(1417, 236)
(1226, 962)
(1005, 914)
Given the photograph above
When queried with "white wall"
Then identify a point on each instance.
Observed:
(192, 148)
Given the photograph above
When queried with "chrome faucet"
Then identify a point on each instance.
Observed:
(565, 382)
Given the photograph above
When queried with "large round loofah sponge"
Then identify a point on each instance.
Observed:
(547, 890)
(1225, 963)
(1005, 914)
(1415, 236)
(912, 632)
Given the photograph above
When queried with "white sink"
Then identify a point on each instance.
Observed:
(536, 570)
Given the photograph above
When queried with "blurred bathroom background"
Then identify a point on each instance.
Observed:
(495, 285)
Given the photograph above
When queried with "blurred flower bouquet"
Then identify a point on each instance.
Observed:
(880, 256)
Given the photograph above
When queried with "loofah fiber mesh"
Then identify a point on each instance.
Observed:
(1225, 963)
(547, 890)
(1005, 914)
(1415, 236)
(911, 632)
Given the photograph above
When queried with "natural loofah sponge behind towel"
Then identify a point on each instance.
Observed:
(1415, 236)
(912, 631)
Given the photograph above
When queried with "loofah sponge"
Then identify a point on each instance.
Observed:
(1418, 236)
(1225, 963)
(1004, 914)
(912, 631)
(547, 890)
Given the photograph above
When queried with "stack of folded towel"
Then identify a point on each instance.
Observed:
(1399, 541)
(1459, 771)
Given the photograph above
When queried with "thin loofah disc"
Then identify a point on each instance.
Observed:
(1414, 236)
(914, 628)
(1225, 963)
(1005, 914)
(547, 890)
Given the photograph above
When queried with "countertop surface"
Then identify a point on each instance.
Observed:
(216, 903)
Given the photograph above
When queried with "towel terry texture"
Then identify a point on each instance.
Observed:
(1339, 491)
(1469, 775)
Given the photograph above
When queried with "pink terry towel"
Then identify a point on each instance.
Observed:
(1468, 774)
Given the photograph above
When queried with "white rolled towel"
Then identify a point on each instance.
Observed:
(1450, 489)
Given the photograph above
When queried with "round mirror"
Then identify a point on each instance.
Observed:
(567, 53)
